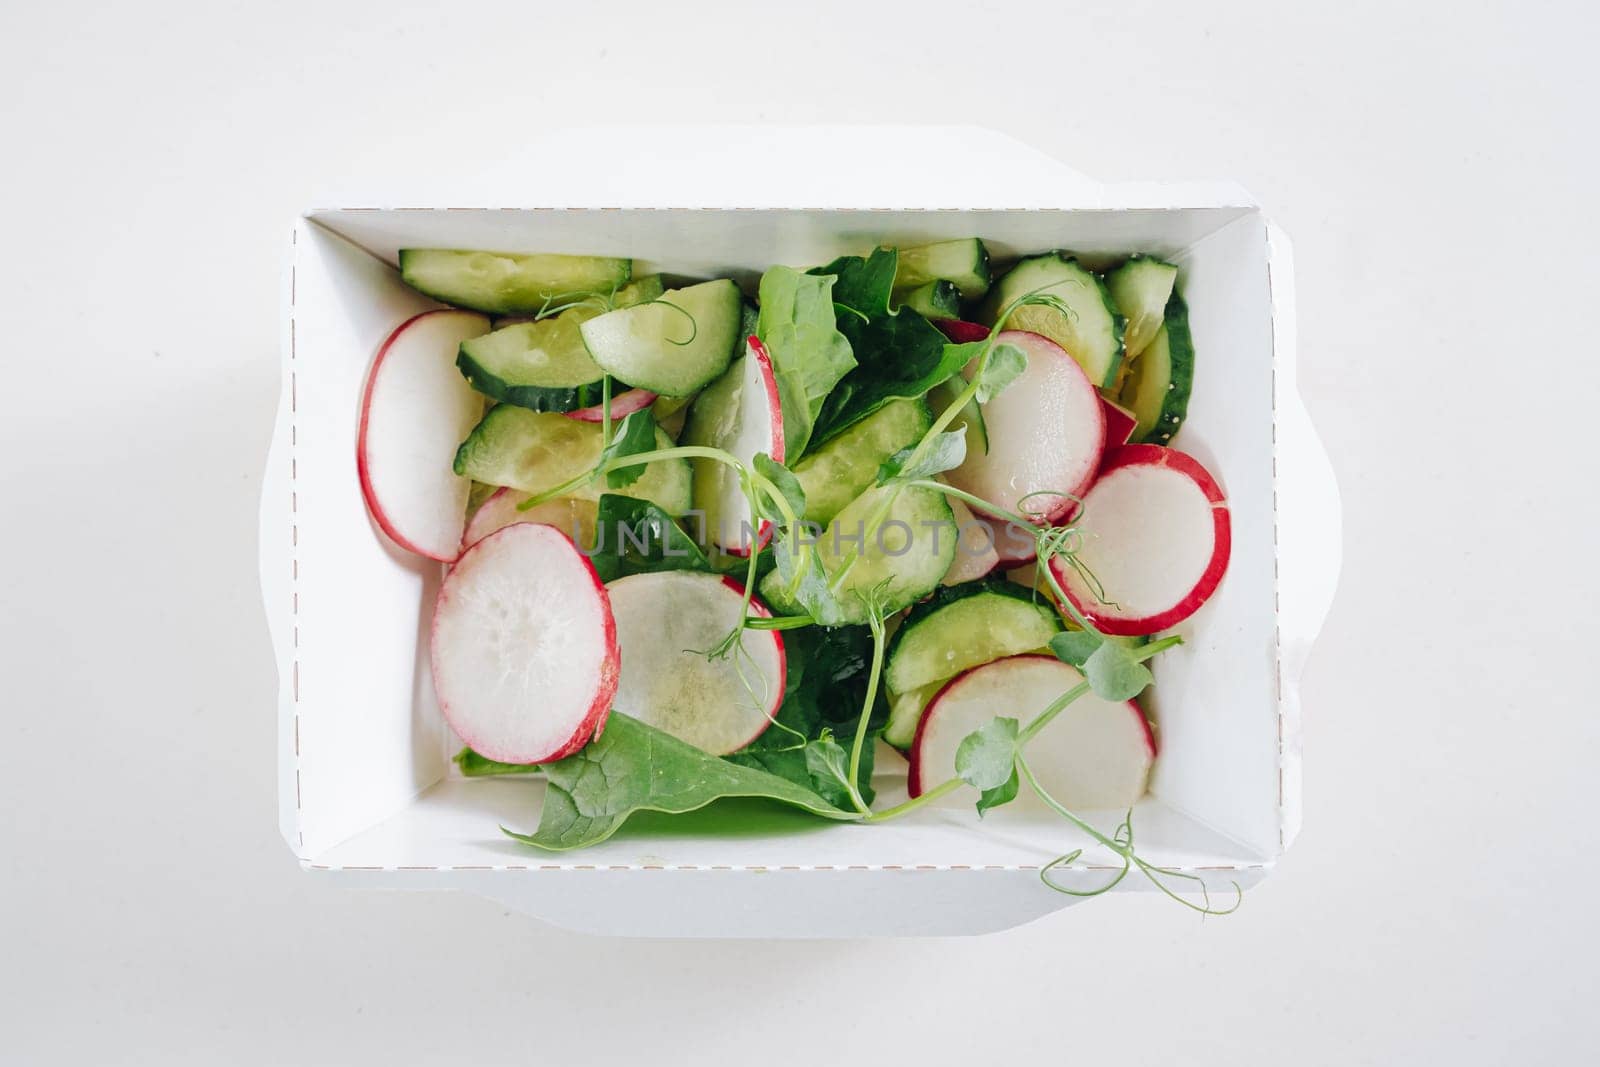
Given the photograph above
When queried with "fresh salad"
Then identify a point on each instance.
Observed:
(704, 542)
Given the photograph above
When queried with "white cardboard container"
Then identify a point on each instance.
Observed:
(368, 794)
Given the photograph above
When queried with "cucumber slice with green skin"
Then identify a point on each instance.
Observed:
(533, 451)
(905, 711)
(675, 345)
(1158, 385)
(1091, 333)
(504, 283)
(904, 560)
(542, 364)
(1141, 288)
(964, 262)
(936, 300)
(962, 626)
(847, 465)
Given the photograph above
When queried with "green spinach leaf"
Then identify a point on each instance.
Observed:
(632, 767)
(826, 685)
(635, 536)
(809, 355)
(635, 434)
(897, 353)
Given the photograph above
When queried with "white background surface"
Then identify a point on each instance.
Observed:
(1435, 168)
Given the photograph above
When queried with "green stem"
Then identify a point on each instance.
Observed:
(605, 412)
(873, 677)
(1042, 720)
(970, 500)
(1027, 772)
(940, 790)
(778, 622)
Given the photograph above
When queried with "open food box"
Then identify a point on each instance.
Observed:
(369, 794)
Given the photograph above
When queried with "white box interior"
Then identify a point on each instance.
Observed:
(366, 777)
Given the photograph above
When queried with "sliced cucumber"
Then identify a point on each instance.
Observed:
(903, 562)
(847, 465)
(674, 345)
(1141, 288)
(905, 711)
(936, 300)
(962, 626)
(504, 283)
(543, 365)
(970, 417)
(535, 451)
(1090, 331)
(1157, 389)
(964, 262)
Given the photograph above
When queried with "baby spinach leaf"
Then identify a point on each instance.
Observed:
(635, 536)
(635, 434)
(474, 765)
(633, 767)
(945, 452)
(897, 353)
(826, 684)
(809, 355)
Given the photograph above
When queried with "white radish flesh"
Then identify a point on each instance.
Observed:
(975, 549)
(1046, 433)
(1096, 754)
(570, 515)
(416, 409)
(665, 624)
(740, 414)
(1155, 534)
(524, 650)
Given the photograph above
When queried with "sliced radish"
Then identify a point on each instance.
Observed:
(962, 332)
(740, 414)
(1046, 435)
(1013, 545)
(573, 517)
(1096, 754)
(1155, 534)
(666, 622)
(525, 657)
(414, 413)
(622, 405)
(1120, 423)
(975, 547)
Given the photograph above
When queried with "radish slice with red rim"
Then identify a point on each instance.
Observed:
(1046, 434)
(666, 621)
(572, 516)
(1155, 534)
(622, 405)
(524, 651)
(414, 413)
(1096, 754)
